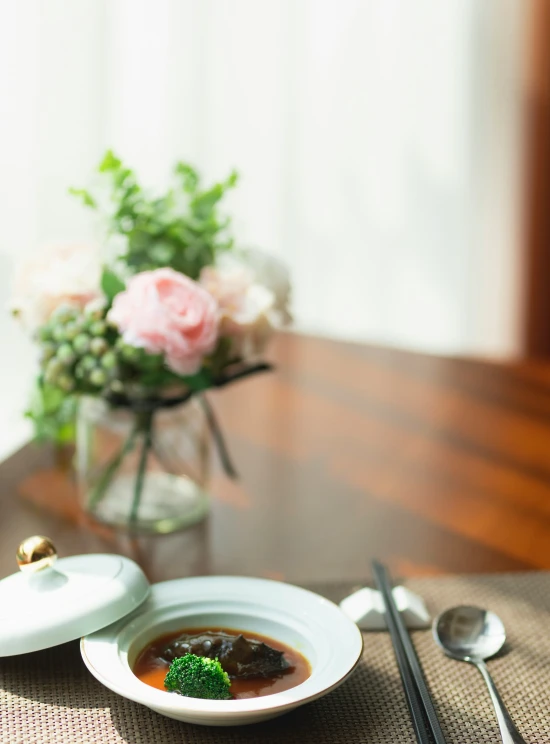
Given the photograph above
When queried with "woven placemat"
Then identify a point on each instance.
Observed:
(50, 698)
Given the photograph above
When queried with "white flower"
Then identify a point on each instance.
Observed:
(272, 274)
(249, 311)
(63, 273)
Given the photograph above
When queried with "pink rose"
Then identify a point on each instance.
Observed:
(165, 312)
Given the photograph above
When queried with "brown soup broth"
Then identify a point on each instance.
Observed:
(151, 669)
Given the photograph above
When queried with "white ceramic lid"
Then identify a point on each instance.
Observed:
(51, 602)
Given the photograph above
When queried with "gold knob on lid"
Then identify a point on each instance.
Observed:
(36, 553)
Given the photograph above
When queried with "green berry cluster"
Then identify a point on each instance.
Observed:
(79, 352)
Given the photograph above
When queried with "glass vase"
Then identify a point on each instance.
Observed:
(143, 470)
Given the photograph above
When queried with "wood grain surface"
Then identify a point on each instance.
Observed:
(345, 452)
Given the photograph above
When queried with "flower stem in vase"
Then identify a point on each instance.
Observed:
(144, 424)
(104, 481)
(217, 435)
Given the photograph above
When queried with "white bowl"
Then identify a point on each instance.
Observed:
(305, 621)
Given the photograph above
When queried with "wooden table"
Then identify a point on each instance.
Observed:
(345, 452)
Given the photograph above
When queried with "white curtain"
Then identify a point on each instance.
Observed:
(379, 143)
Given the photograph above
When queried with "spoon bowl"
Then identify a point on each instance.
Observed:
(468, 633)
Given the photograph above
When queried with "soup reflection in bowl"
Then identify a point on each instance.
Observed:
(310, 627)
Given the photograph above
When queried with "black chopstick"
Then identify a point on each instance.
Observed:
(416, 691)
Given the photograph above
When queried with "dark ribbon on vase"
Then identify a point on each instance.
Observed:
(146, 406)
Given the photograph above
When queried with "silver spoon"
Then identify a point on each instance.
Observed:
(472, 634)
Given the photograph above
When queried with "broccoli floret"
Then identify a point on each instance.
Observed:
(198, 677)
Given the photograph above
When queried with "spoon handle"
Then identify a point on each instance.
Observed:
(508, 730)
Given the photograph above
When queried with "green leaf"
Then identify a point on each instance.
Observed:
(202, 380)
(111, 284)
(66, 433)
(189, 176)
(180, 228)
(110, 162)
(232, 180)
(204, 203)
(221, 355)
(53, 414)
(87, 199)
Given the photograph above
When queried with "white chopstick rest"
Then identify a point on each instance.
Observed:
(366, 608)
